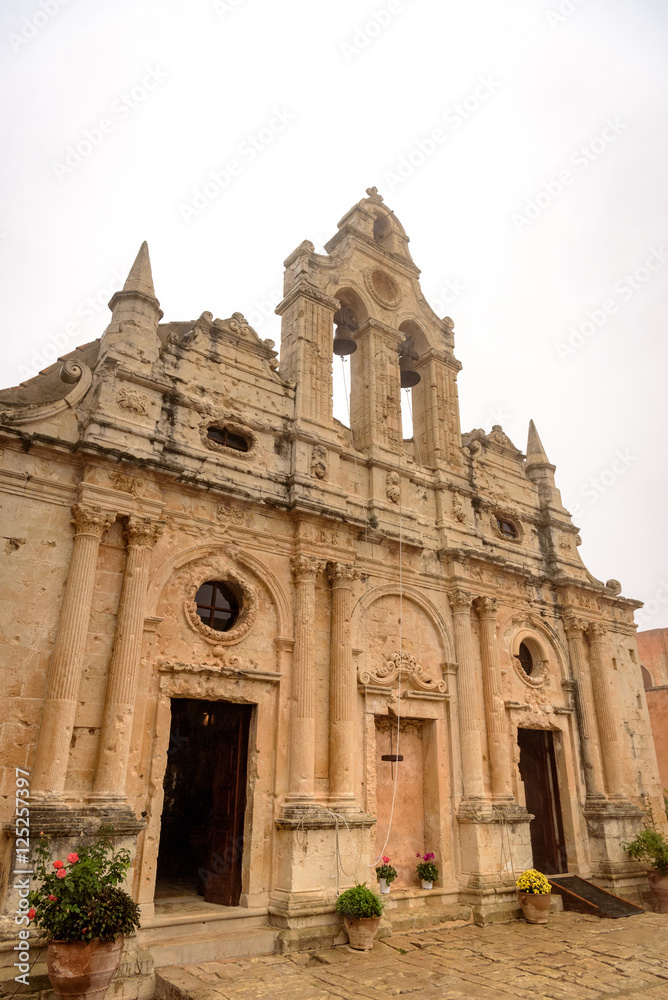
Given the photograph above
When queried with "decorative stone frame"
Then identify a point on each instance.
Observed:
(538, 654)
(514, 520)
(391, 299)
(232, 424)
(249, 605)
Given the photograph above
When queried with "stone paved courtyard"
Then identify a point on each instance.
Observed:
(576, 957)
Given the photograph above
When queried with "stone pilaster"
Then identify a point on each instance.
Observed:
(116, 733)
(495, 712)
(436, 410)
(468, 696)
(342, 687)
(55, 735)
(591, 755)
(605, 701)
(375, 405)
(302, 721)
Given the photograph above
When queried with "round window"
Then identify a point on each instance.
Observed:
(526, 659)
(218, 605)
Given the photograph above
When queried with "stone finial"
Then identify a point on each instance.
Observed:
(140, 278)
(373, 194)
(536, 455)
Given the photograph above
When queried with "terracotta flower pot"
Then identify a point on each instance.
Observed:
(659, 886)
(535, 906)
(361, 931)
(81, 970)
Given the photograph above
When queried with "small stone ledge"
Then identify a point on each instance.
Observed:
(299, 818)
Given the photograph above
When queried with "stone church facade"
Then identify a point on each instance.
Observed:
(268, 647)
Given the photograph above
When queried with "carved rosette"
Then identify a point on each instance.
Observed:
(143, 530)
(410, 669)
(204, 571)
(91, 520)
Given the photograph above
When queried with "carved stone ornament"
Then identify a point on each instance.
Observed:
(130, 399)
(458, 511)
(125, 483)
(412, 671)
(143, 530)
(383, 287)
(319, 461)
(91, 520)
(373, 194)
(230, 423)
(392, 487)
(460, 601)
(306, 567)
(226, 512)
(341, 574)
(204, 571)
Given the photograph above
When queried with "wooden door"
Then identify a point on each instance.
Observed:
(226, 828)
(538, 770)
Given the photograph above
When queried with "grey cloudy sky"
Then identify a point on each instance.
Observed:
(521, 143)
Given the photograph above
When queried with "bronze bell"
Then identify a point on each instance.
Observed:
(407, 355)
(346, 324)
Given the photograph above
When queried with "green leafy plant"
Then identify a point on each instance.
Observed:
(358, 901)
(426, 869)
(650, 846)
(80, 899)
(386, 871)
(534, 883)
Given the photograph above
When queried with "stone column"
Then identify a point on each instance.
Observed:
(468, 696)
(302, 718)
(495, 710)
(591, 757)
(604, 701)
(62, 688)
(342, 687)
(116, 733)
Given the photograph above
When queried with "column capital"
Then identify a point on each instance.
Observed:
(305, 567)
(596, 631)
(143, 530)
(486, 607)
(574, 626)
(460, 600)
(341, 574)
(91, 520)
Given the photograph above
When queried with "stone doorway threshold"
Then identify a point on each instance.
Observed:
(186, 930)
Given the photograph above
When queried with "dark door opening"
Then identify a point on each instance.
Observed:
(202, 832)
(538, 769)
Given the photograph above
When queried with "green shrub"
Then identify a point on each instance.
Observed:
(358, 901)
(652, 847)
(79, 900)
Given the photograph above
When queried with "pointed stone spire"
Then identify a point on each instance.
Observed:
(536, 455)
(140, 278)
(139, 281)
(132, 334)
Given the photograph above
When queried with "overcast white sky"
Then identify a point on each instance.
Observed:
(539, 217)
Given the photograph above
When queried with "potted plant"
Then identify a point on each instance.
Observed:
(83, 914)
(535, 895)
(386, 874)
(361, 910)
(651, 847)
(426, 869)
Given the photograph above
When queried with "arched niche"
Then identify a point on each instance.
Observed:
(409, 328)
(377, 635)
(543, 644)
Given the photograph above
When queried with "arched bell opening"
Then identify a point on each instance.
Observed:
(409, 376)
(350, 316)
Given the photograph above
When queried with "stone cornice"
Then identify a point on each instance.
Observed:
(304, 289)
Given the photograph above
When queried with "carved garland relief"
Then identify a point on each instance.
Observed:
(410, 667)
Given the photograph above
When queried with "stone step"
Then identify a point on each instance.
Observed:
(200, 948)
(205, 923)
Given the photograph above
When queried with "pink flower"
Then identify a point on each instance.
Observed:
(53, 899)
(418, 855)
(62, 873)
(429, 857)
(386, 861)
(57, 864)
(31, 914)
(72, 858)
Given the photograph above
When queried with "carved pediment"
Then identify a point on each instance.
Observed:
(412, 674)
